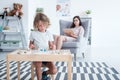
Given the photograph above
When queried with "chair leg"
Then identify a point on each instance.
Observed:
(75, 57)
(83, 55)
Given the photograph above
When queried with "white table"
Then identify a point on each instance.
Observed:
(36, 56)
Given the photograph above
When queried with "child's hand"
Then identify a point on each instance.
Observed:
(32, 46)
(51, 45)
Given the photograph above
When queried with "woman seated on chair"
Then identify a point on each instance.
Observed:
(41, 38)
(70, 34)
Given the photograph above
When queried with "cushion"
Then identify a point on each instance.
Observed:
(63, 25)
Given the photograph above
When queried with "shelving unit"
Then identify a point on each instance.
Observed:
(14, 38)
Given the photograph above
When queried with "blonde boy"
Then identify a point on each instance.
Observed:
(41, 38)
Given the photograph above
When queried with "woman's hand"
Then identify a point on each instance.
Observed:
(73, 35)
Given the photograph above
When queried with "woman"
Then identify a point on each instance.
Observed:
(71, 34)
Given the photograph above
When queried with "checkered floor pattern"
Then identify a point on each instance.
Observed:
(80, 71)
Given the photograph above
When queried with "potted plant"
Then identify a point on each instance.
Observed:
(39, 10)
(88, 12)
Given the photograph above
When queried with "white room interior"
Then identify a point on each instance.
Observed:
(105, 45)
(105, 25)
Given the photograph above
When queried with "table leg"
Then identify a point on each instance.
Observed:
(70, 69)
(32, 71)
(18, 70)
(8, 70)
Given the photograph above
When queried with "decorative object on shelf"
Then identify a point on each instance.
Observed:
(88, 12)
(6, 28)
(39, 10)
(5, 13)
(17, 10)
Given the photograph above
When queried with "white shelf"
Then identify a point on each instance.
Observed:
(12, 18)
(13, 38)
(10, 32)
(9, 47)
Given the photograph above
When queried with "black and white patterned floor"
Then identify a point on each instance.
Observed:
(80, 71)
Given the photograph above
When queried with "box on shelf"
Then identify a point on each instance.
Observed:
(14, 44)
(10, 45)
(5, 44)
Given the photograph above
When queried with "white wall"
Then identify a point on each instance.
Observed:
(49, 10)
(105, 19)
(105, 30)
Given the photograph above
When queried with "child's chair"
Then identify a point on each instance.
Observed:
(32, 72)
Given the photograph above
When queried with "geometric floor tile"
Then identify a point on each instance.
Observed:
(80, 71)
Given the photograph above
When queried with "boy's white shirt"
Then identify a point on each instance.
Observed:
(41, 39)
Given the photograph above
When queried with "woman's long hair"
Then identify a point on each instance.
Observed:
(73, 25)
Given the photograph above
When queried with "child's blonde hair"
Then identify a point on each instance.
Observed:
(41, 17)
